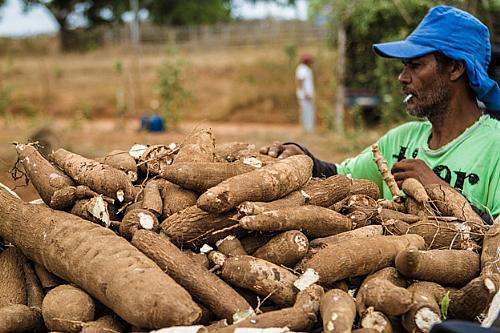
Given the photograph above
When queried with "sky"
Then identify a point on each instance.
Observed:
(15, 23)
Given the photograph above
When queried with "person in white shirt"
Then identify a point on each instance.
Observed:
(304, 80)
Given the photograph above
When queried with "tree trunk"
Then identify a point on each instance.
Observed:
(68, 39)
(340, 98)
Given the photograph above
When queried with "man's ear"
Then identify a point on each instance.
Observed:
(457, 69)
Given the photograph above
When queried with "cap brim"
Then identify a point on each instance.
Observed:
(402, 50)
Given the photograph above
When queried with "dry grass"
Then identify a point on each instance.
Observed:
(224, 84)
(243, 94)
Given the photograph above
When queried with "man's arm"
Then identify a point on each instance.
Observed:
(418, 169)
(299, 83)
(321, 168)
(415, 168)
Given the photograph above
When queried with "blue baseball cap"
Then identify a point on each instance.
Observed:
(458, 35)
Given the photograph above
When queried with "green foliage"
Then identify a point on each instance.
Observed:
(444, 303)
(102, 12)
(190, 12)
(58, 72)
(26, 109)
(119, 67)
(291, 52)
(5, 99)
(173, 94)
(373, 21)
(121, 106)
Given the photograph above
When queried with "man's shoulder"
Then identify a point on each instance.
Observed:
(301, 68)
(410, 127)
(412, 131)
(488, 129)
(491, 122)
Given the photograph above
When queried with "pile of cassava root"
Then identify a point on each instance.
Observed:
(223, 239)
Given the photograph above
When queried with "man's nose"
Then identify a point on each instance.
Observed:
(404, 77)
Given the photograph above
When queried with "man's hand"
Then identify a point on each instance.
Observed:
(415, 168)
(279, 150)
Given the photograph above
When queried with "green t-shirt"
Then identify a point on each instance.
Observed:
(470, 163)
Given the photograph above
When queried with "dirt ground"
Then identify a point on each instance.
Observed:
(99, 137)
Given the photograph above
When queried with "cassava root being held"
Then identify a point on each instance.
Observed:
(386, 173)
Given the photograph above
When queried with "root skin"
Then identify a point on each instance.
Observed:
(176, 198)
(384, 291)
(264, 184)
(195, 227)
(446, 267)
(377, 321)
(199, 177)
(416, 190)
(152, 200)
(285, 249)
(20, 318)
(326, 221)
(65, 308)
(338, 311)
(204, 286)
(368, 231)
(298, 318)
(262, 277)
(437, 234)
(357, 257)
(101, 178)
(45, 177)
(34, 291)
(469, 301)
(231, 246)
(386, 173)
(12, 282)
(197, 147)
(325, 193)
(137, 219)
(77, 250)
(425, 309)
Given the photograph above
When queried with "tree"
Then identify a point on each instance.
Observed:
(370, 21)
(93, 13)
(89, 12)
(189, 12)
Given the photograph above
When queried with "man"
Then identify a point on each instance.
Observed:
(445, 62)
(304, 82)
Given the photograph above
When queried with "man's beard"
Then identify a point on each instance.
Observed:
(431, 104)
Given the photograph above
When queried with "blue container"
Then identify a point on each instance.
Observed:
(156, 124)
(153, 123)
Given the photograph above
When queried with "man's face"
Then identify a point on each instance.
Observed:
(428, 85)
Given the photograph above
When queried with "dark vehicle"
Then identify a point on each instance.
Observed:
(494, 69)
(367, 101)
